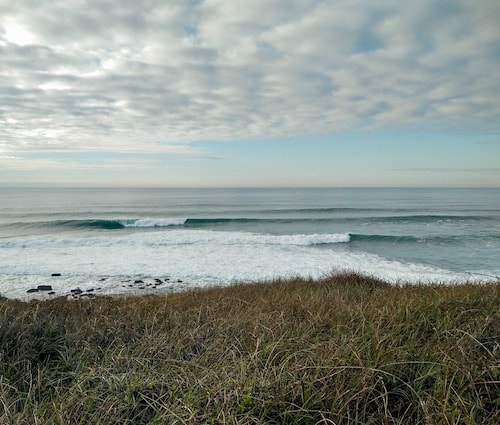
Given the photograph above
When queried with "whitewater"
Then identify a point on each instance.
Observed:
(136, 241)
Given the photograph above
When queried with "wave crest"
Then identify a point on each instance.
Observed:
(154, 222)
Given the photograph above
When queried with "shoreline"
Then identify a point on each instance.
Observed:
(58, 285)
(137, 286)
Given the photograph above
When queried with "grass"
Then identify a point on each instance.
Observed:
(347, 349)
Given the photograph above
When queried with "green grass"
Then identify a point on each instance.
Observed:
(344, 350)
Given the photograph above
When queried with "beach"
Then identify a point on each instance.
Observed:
(105, 240)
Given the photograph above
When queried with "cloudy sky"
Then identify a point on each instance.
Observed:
(250, 92)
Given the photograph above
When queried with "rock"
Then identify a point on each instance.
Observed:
(138, 281)
(158, 280)
(76, 291)
(56, 274)
(179, 281)
(30, 291)
(44, 287)
(51, 293)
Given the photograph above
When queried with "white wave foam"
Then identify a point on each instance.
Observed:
(198, 257)
(198, 237)
(314, 239)
(175, 237)
(156, 222)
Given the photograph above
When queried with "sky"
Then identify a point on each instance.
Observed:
(255, 93)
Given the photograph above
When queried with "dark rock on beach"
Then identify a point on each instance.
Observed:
(44, 287)
(76, 291)
(40, 288)
(56, 274)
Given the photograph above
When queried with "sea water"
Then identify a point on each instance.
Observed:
(128, 241)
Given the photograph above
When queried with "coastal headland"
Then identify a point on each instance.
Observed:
(345, 349)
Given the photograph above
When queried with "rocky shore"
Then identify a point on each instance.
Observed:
(134, 285)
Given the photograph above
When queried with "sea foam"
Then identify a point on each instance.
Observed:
(197, 257)
(154, 222)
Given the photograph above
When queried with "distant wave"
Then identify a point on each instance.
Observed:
(354, 237)
(183, 236)
(154, 222)
(427, 218)
(200, 222)
(381, 238)
(106, 224)
(95, 224)
(177, 238)
(207, 222)
(328, 210)
(116, 224)
(111, 224)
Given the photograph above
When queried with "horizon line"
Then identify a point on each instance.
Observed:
(159, 187)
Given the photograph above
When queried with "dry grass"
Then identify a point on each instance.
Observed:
(344, 350)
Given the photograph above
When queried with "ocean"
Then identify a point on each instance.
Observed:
(137, 241)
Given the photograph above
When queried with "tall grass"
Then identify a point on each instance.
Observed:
(344, 350)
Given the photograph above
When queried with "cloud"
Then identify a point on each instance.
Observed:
(155, 75)
(32, 164)
(89, 160)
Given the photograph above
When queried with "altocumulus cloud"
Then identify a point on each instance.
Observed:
(156, 75)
